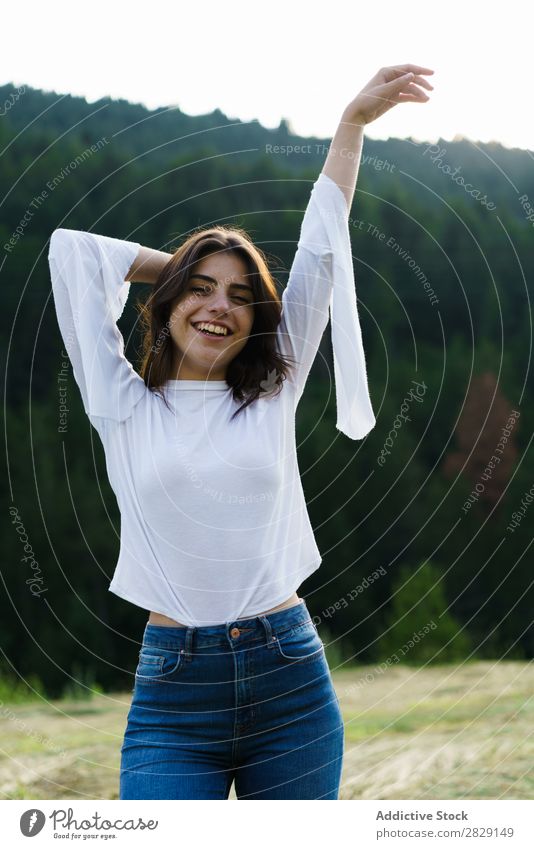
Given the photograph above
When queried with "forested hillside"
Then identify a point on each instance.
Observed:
(442, 237)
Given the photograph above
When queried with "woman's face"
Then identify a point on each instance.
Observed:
(218, 293)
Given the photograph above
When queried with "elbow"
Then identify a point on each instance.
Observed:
(58, 233)
(59, 237)
(55, 239)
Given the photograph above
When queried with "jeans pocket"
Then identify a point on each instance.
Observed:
(157, 665)
(299, 644)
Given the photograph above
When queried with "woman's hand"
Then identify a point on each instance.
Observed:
(396, 84)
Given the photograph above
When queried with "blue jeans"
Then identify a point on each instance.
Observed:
(249, 701)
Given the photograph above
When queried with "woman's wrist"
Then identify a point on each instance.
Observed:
(354, 119)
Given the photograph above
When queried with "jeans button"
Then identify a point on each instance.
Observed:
(235, 632)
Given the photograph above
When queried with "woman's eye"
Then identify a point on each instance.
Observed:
(205, 290)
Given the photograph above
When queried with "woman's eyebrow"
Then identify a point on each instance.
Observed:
(212, 280)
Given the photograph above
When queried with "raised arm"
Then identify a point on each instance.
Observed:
(392, 85)
(322, 279)
(322, 275)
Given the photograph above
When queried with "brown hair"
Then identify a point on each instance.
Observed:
(259, 358)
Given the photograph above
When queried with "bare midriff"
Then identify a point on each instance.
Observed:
(160, 619)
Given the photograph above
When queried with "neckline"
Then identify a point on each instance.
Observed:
(205, 385)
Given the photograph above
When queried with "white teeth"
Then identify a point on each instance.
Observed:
(212, 328)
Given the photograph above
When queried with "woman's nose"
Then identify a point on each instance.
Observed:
(220, 302)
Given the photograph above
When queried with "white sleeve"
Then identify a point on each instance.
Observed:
(89, 289)
(322, 278)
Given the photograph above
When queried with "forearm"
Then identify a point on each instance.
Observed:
(147, 265)
(343, 160)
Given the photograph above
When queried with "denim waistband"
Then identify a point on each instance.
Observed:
(232, 633)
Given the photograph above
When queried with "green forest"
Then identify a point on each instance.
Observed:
(427, 520)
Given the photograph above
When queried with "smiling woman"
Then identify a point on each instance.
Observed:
(217, 276)
(215, 531)
(215, 534)
(222, 311)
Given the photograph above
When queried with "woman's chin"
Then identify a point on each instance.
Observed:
(206, 360)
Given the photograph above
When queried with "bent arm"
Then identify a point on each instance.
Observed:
(90, 292)
(147, 265)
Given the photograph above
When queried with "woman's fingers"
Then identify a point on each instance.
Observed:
(410, 84)
(414, 89)
(423, 82)
(414, 69)
(395, 85)
(410, 94)
(409, 98)
(395, 72)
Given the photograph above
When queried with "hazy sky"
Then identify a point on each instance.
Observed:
(300, 60)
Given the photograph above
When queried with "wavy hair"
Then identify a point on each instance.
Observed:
(259, 358)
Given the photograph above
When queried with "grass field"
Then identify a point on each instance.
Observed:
(447, 732)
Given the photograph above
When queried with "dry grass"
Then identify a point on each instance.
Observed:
(448, 732)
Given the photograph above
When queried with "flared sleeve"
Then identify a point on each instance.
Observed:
(321, 280)
(90, 291)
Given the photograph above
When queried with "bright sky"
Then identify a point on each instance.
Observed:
(297, 59)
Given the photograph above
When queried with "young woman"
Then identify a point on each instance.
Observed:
(232, 682)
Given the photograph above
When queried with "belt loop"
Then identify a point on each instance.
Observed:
(268, 631)
(189, 634)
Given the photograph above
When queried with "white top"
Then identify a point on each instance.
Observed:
(214, 524)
